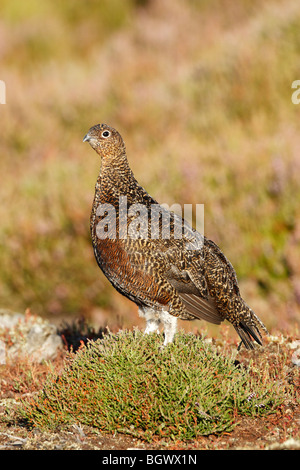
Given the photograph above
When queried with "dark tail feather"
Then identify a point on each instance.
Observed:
(248, 334)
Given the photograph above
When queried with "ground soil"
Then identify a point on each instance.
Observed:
(273, 432)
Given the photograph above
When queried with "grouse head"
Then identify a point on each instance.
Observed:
(105, 140)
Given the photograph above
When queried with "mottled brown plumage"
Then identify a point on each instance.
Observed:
(167, 277)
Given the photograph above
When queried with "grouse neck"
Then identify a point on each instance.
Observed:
(116, 177)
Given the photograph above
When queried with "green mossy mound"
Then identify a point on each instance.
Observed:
(126, 383)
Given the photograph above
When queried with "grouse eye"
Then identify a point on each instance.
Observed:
(105, 134)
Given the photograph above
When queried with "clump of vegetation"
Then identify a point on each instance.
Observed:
(126, 383)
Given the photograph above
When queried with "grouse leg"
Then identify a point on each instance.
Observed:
(170, 324)
(152, 320)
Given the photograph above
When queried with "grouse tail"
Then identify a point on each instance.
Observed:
(249, 328)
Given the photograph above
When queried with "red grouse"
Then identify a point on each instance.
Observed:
(154, 258)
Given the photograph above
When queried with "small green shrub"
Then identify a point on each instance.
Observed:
(126, 383)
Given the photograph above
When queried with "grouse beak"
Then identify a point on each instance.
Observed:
(91, 139)
(86, 137)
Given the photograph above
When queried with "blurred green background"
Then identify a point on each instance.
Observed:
(201, 92)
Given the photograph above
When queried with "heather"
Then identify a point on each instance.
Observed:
(127, 383)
